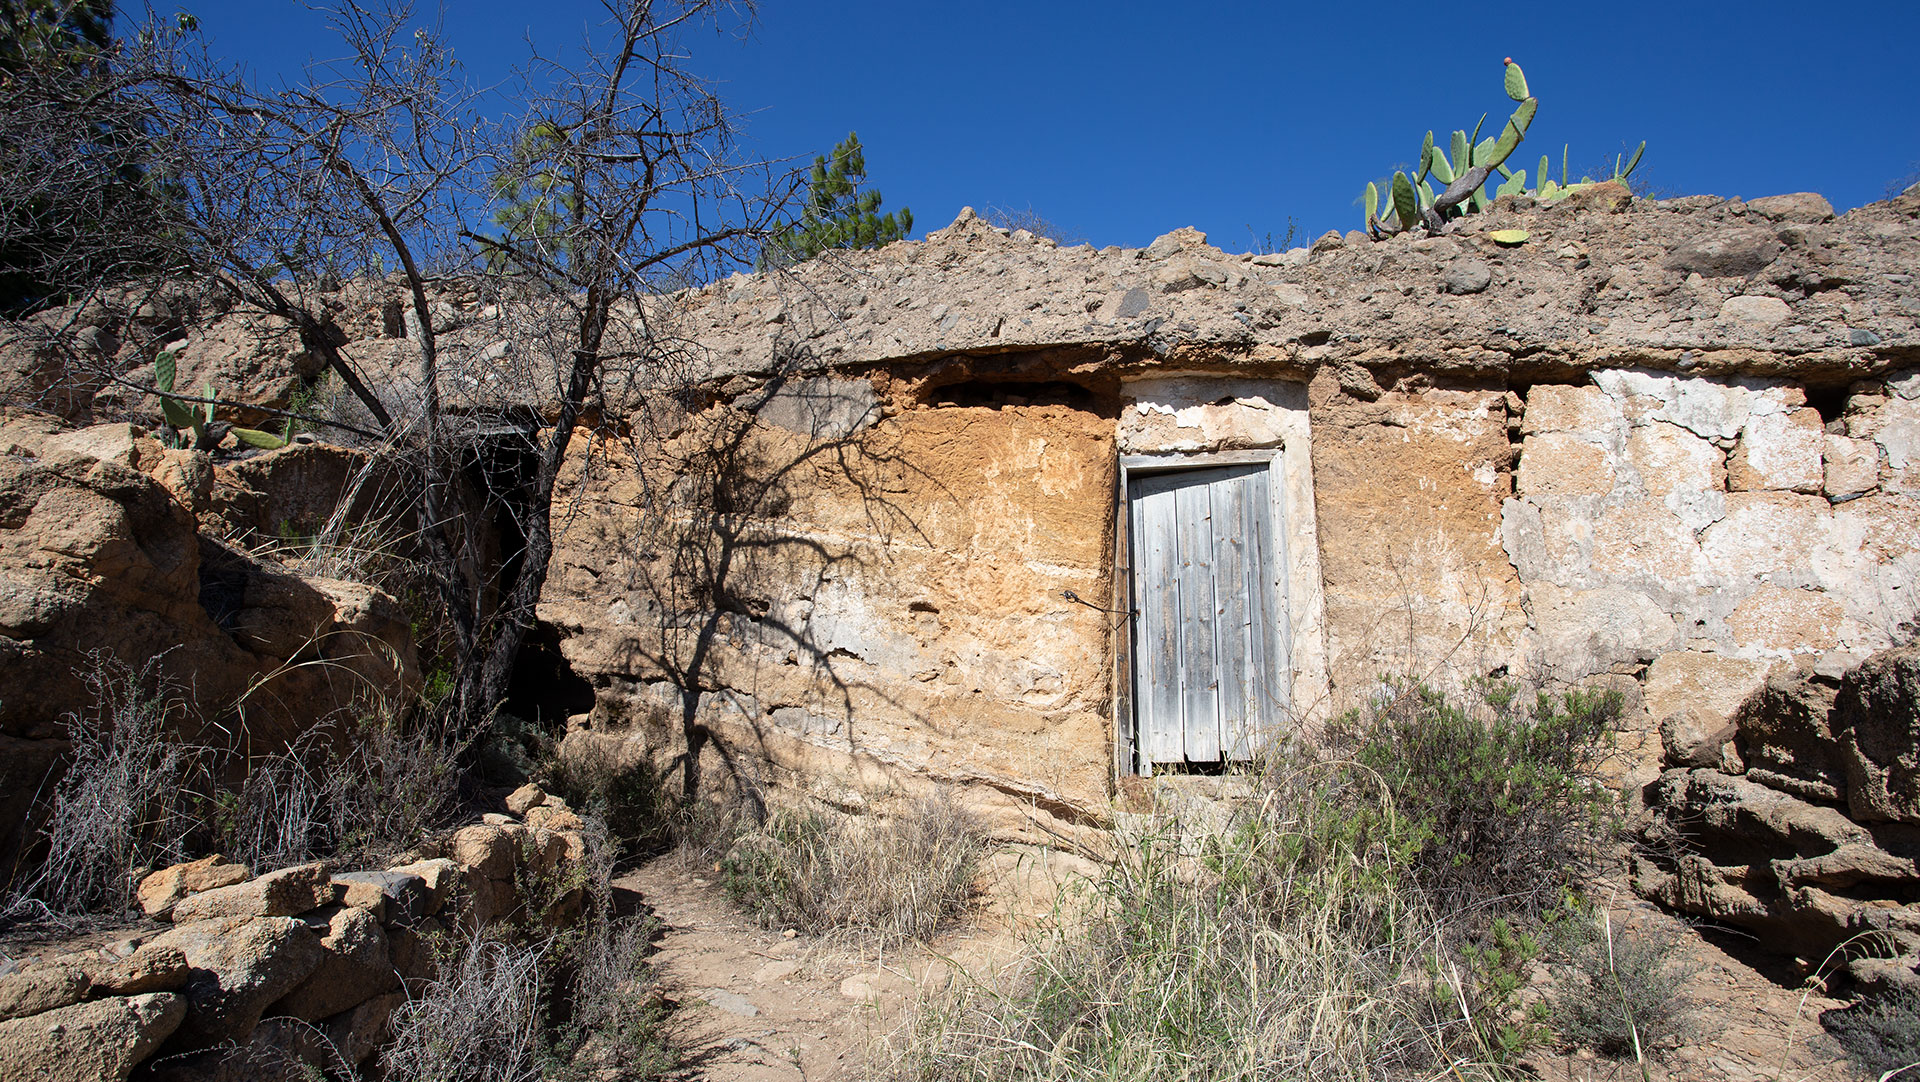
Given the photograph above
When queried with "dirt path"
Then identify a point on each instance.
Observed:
(755, 1004)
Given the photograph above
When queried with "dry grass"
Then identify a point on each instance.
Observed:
(892, 877)
(480, 1022)
(120, 805)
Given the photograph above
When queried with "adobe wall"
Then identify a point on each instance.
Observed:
(1666, 446)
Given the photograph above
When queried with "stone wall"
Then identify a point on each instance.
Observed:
(1669, 446)
(286, 974)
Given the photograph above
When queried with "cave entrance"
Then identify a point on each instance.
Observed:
(544, 689)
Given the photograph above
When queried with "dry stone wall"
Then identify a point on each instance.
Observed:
(287, 974)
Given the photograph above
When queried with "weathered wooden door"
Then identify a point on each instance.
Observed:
(1207, 679)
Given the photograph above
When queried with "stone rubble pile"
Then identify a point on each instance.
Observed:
(281, 974)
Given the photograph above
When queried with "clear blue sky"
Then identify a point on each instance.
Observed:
(1121, 120)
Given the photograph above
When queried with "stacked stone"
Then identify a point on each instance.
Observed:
(302, 967)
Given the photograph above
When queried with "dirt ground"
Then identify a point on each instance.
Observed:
(756, 1004)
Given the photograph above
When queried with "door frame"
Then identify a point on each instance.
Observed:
(1126, 722)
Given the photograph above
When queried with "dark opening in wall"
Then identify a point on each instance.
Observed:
(544, 689)
(1830, 401)
(996, 395)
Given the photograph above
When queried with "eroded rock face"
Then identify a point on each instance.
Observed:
(100, 553)
(1790, 838)
(1876, 718)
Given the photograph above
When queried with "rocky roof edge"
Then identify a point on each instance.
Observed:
(1776, 285)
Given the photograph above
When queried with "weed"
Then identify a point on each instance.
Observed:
(370, 788)
(1623, 994)
(480, 1022)
(1881, 1035)
(630, 795)
(895, 877)
(118, 808)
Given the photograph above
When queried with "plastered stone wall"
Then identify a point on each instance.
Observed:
(861, 608)
(1704, 532)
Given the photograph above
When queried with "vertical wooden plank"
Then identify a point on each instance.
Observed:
(1199, 671)
(1256, 524)
(1231, 629)
(1157, 652)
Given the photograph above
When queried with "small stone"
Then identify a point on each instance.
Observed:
(1466, 275)
(526, 798)
(861, 988)
(731, 1002)
(775, 971)
(1858, 337)
(1755, 311)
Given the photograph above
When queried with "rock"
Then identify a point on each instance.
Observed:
(1784, 739)
(359, 1031)
(1755, 311)
(1693, 697)
(525, 798)
(1806, 207)
(240, 965)
(389, 896)
(285, 893)
(354, 968)
(439, 876)
(861, 988)
(1876, 719)
(100, 1041)
(41, 989)
(1851, 468)
(1780, 451)
(159, 892)
(551, 818)
(775, 971)
(487, 850)
(153, 967)
(1467, 275)
(731, 1002)
(278, 1050)
(1727, 253)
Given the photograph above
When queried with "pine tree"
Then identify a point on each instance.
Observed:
(837, 213)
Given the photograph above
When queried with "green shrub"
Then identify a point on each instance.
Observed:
(1502, 801)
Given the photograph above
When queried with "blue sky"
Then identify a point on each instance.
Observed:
(1119, 121)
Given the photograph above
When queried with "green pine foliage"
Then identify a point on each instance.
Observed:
(838, 212)
(78, 157)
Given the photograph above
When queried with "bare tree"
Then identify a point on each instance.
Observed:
(616, 185)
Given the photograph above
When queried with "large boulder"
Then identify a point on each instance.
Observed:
(240, 966)
(1876, 719)
(99, 1041)
(101, 558)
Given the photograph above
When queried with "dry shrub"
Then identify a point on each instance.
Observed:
(119, 807)
(895, 877)
(1623, 995)
(1373, 911)
(480, 1022)
(1273, 946)
(366, 789)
